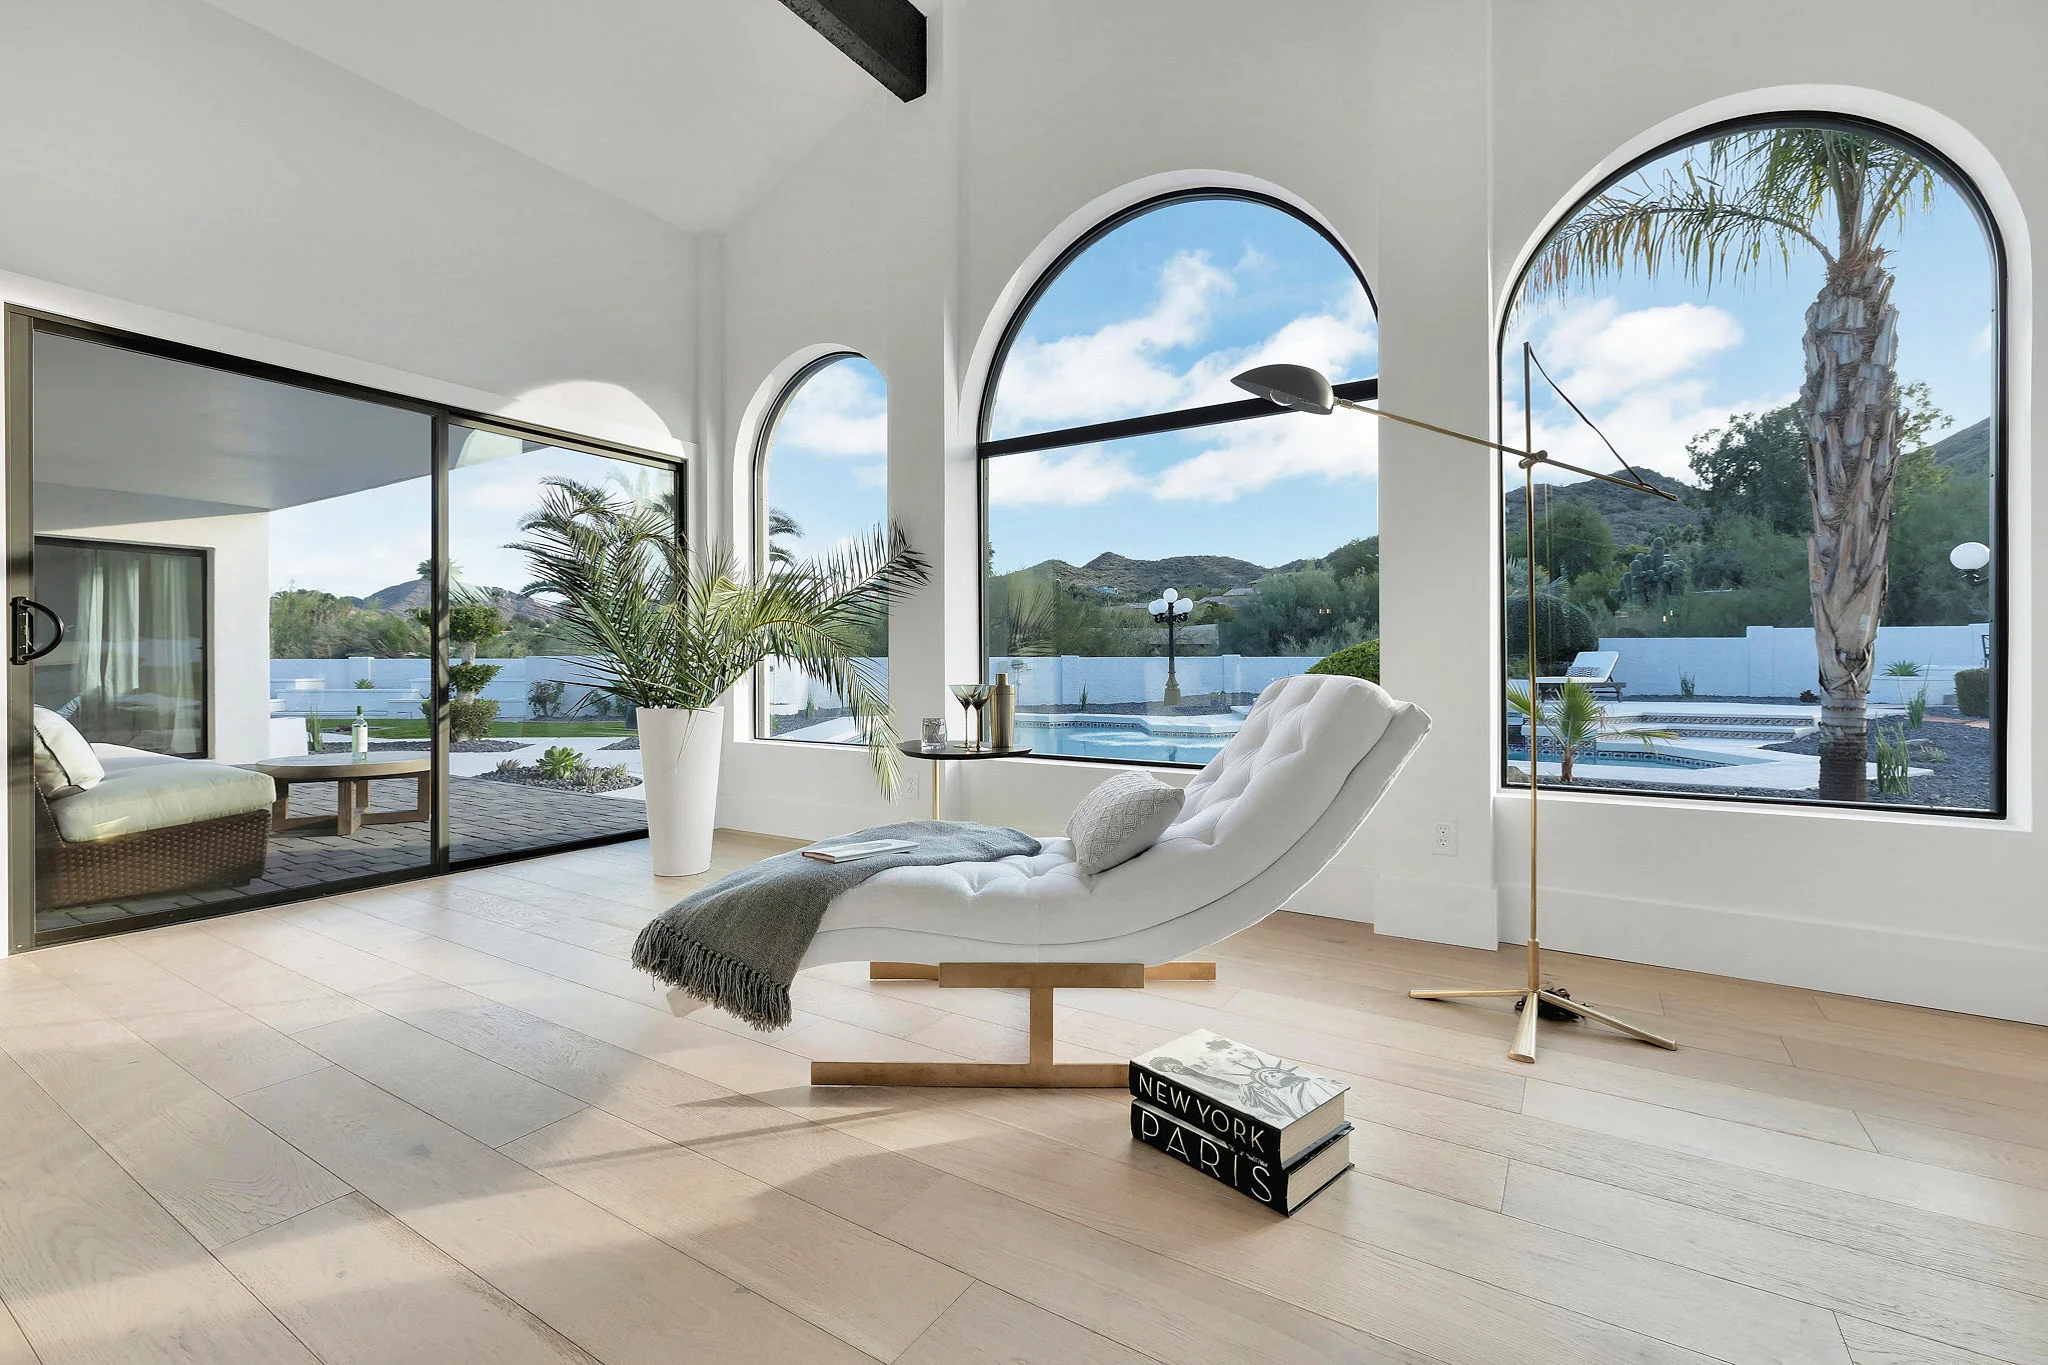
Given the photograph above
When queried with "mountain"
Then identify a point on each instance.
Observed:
(1635, 518)
(1967, 451)
(1138, 580)
(405, 598)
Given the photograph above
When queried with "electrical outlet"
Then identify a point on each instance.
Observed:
(1443, 838)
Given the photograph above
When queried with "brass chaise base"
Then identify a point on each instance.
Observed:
(1041, 979)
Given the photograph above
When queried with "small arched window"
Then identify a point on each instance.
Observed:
(1793, 323)
(1158, 548)
(821, 477)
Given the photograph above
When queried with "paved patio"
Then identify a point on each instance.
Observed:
(486, 819)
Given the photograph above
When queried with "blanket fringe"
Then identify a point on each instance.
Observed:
(665, 953)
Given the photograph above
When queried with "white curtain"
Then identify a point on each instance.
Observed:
(136, 648)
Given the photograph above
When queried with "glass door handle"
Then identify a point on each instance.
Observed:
(22, 630)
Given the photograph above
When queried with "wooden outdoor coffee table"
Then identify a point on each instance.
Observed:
(351, 778)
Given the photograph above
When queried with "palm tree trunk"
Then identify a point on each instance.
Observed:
(1850, 400)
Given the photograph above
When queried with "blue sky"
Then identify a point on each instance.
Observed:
(1656, 361)
(1157, 316)
(355, 545)
(828, 455)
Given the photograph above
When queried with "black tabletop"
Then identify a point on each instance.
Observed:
(915, 748)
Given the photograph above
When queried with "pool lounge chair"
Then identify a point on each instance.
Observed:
(1593, 669)
(1263, 817)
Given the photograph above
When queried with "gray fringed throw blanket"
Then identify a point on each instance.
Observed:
(736, 943)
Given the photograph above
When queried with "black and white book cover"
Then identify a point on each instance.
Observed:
(1282, 1188)
(1265, 1106)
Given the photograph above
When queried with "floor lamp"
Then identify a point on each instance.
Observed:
(1299, 388)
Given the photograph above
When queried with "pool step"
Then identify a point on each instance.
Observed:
(1771, 729)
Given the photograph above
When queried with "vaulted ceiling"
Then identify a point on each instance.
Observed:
(685, 108)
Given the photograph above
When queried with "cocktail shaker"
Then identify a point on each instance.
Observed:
(1002, 711)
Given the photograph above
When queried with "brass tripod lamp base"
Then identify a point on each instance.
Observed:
(1533, 996)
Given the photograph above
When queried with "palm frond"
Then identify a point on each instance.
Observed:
(1742, 202)
(665, 627)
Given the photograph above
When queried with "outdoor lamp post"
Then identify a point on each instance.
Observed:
(1171, 608)
(1972, 558)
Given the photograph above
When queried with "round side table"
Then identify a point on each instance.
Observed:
(952, 753)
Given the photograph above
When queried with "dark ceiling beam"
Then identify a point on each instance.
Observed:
(884, 37)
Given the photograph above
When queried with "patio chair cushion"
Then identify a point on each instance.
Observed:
(1121, 819)
(161, 793)
(64, 763)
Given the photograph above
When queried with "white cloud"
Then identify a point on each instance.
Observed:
(1635, 373)
(840, 412)
(1248, 456)
(1599, 353)
(1080, 477)
(1116, 370)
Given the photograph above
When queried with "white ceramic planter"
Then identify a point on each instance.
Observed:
(679, 752)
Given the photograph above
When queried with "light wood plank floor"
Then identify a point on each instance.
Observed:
(449, 1123)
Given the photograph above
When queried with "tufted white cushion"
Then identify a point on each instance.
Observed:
(1121, 819)
(64, 764)
(1254, 801)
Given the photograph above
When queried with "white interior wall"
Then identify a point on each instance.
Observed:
(1438, 141)
(238, 601)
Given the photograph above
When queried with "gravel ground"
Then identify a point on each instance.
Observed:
(629, 745)
(1964, 782)
(530, 777)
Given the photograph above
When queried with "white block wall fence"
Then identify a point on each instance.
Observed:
(1771, 661)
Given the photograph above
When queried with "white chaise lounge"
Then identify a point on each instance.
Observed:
(1268, 813)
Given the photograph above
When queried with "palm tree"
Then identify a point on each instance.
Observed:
(1772, 195)
(670, 628)
(1577, 722)
(782, 526)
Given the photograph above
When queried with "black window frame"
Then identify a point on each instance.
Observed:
(1999, 426)
(1151, 424)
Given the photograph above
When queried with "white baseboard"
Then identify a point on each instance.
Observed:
(1436, 912)
(2002, 980)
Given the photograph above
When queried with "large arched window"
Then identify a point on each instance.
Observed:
(821, 476)
(1794, 324)
(1120, 468)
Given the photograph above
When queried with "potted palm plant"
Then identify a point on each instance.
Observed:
(670, 632)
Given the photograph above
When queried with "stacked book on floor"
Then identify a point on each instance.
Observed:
(1270, 1129)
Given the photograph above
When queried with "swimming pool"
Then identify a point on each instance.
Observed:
(1131, 739)
(1623, 758)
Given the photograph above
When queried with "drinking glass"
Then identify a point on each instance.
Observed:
(971, 696)
(934, 732)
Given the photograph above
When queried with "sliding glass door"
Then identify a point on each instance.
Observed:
(540, 756)
(272, 637)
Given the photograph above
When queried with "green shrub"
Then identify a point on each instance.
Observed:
(1916, 709)
(1894, 750)
(466, 680)
(560, 762)
(1902, 668)
(364, 684)
(1361, 660)
(1563, 630)
(466, 719)
(1973, 691)
(1686, 686)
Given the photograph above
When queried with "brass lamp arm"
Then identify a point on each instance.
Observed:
(1527, 457)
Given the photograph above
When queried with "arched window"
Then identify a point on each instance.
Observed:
(821, 476)
(1121, 470)
(1793, 323)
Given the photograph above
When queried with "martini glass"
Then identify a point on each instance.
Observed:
(972, 697)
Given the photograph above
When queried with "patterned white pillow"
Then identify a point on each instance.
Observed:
(1121, 819)
(64, 763)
